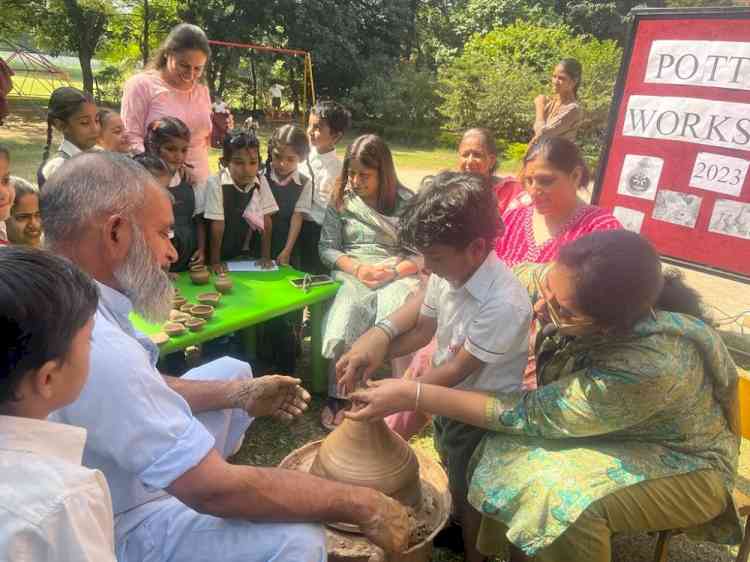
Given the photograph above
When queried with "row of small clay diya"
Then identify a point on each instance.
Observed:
(185, 315)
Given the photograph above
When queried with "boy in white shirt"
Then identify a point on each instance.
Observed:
(325, 128)
(51, 507)
(473, 305)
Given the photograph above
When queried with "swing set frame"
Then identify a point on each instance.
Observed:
(308, 79)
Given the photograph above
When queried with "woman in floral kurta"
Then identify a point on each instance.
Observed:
(615, 408)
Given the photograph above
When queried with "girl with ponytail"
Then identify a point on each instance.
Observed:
(74, 114)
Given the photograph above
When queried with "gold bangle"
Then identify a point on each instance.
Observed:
(419, 392)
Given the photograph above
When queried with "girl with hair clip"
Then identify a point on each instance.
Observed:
(74, 114)
(112, 135)
(293, 191)
(168, 138)
(238, 202)
(359, 242)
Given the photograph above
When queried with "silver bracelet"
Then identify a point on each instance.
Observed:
(386, 329)
(391, 327)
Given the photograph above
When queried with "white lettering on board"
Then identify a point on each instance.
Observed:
(717, 64)
(694, 120)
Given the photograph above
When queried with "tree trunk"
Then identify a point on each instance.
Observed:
(146, 17)
(255, 82)
(87, 73)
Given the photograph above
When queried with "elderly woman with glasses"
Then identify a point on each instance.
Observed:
(634, 426)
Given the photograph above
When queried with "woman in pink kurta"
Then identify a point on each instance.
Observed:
(550, 214)
(171, 87)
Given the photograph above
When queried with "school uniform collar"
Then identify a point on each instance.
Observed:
(69, 148)
(484, 277)
(42, 437)
(293, 177)
(225, 178)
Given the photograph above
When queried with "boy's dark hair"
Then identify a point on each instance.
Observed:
(104, 114)
(44, 301)
(451, 208)
(238, 140)
(161, 130)
(155, 165)
(4, 151)
(336, 115)
(63, 104)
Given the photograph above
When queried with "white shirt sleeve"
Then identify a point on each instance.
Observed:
(200, 199)
(213, 200)
(499, 329)
(268, 205)
(304, 202)
(431, 300)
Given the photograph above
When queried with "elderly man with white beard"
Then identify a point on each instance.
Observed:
(162, 441)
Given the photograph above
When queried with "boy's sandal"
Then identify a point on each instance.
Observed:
(333, 413)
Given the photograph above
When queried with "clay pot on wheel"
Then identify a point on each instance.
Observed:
(223, 283)
(199, 275)
(370, 454)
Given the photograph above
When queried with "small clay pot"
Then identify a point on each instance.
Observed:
(202, 311)
(174, 329)
(195, 324)
(187, 307)
(209, 298)
(177, 316)
(159, 338)
(177, 302)
(199, 275)
(223, 283)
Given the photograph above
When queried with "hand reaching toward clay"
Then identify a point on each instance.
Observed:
(273, 395)
(389, 527)
(362, 360)
(382, 398)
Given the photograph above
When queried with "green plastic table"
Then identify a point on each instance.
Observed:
(255, 298)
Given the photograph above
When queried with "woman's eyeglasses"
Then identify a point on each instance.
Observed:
(564, 327)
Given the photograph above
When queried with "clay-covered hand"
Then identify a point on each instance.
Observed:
(382, 398)
(363, 358)
(283, 258)
(266, 263)
(217, 268)
(198, 257)
(388, 528)
(273, 395)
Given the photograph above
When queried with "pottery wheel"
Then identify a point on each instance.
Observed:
(344, 540)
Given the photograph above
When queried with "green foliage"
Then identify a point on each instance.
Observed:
(494, 82)
(515, 151)
(399, 97)
(109, 81)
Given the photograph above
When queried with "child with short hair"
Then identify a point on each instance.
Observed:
(168, 138)
(156, 167)
(112, 135)
(473, 304)
(326, 126)
(7, 192)
(74, 114)
(293, 191)
(51, 508)
(25, 221)
(238, 202)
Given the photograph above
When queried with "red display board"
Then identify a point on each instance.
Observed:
(676, 163)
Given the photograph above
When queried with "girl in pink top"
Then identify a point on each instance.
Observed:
(553, 172)
(170, 87)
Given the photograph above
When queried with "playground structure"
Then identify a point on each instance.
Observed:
(308, 88)
(35, 74)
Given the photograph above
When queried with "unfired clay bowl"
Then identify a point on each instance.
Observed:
(178, 301)
(199, 275)
(159, 338)
(203, 311)
(177, 316)
(209, 298)
(187, 307)
(195, 324)
(223, 283)
(174, 329)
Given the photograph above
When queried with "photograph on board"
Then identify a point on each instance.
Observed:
(731, 218)
(677, 208)
(640, 176)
